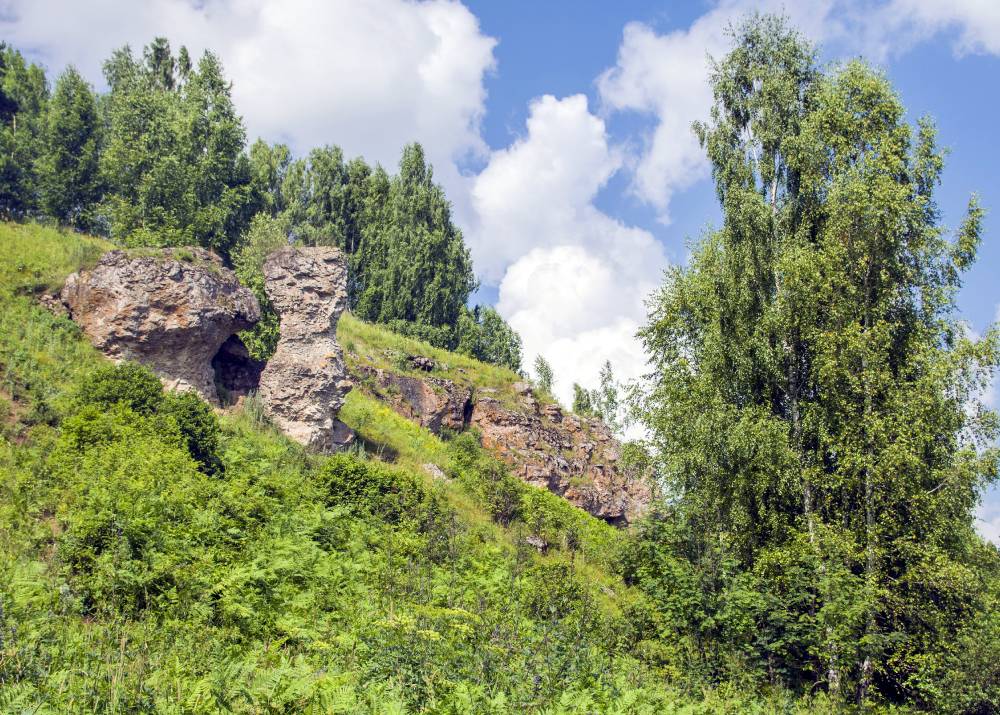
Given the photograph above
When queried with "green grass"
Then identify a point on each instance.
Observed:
(374, 346)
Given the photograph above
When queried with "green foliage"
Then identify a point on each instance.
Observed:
(483, 334)
(815, 407)
(412, 263)
(24, 94)
(68, 167)
(265, 235)
(128, 384)
(133, 388)
(603, 402)
(173, 158)
(543, 374)
(198, 426)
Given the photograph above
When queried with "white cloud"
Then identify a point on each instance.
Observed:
(369, 76)
(988, 518)
(976, 21)
(665, 76)
(574, 279)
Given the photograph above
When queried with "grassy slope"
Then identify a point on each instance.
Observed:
(288, 600)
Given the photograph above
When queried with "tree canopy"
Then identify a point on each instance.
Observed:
(815, 402)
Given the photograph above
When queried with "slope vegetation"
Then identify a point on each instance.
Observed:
(155, 556)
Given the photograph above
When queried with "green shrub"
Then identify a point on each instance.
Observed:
(370, 487)
(198, 426)
(128, 384)
(130, 532)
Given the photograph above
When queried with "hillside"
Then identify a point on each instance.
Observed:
(134, 579)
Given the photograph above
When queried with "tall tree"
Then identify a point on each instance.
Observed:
(69, 165)
(416, 266)
(815, 398)
(174, 159)
(23, 96)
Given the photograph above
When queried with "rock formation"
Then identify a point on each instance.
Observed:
(431, 402)
(169, 309)
(304, 383)
(574, 457)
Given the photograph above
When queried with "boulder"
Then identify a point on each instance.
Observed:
(169, 309)
(303, 385)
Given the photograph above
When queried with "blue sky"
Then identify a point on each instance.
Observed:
(560, 129)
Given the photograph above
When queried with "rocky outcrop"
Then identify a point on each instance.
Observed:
(304, 383)
(572, 456)
(431, 402)
(169, 309)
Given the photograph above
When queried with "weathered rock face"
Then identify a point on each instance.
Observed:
(431, 402)
(572, 456)
(169, 309)
(304, 383)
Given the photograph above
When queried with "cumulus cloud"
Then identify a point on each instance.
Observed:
(666, 76)
(573, 278)
(977, 22)
(988, 520)
(368, 76)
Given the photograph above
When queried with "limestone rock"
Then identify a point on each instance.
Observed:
(304, 383)
(576, 458)
(169, 309)
(431, 402)
(570, 456)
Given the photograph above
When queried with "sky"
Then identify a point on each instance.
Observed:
(560, 129)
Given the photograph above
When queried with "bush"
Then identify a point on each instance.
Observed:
(130, 531)
(370, 487)
(198, 426)
(135, 389)
(128, 384)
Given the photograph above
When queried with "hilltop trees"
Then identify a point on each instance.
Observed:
(174, 158)
(161, 161)
(815, 405)
(69, 163)
(23, 97)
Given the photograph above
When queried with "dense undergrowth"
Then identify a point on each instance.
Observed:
(157, 557)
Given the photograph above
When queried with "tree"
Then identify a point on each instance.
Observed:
(543, 374)
(69, 165)
(174, 160)
(814, 405)
(485, 335)
(23, 96)
(412, 263)
(581, 401)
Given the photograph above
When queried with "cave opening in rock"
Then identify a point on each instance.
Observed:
(236, 373)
